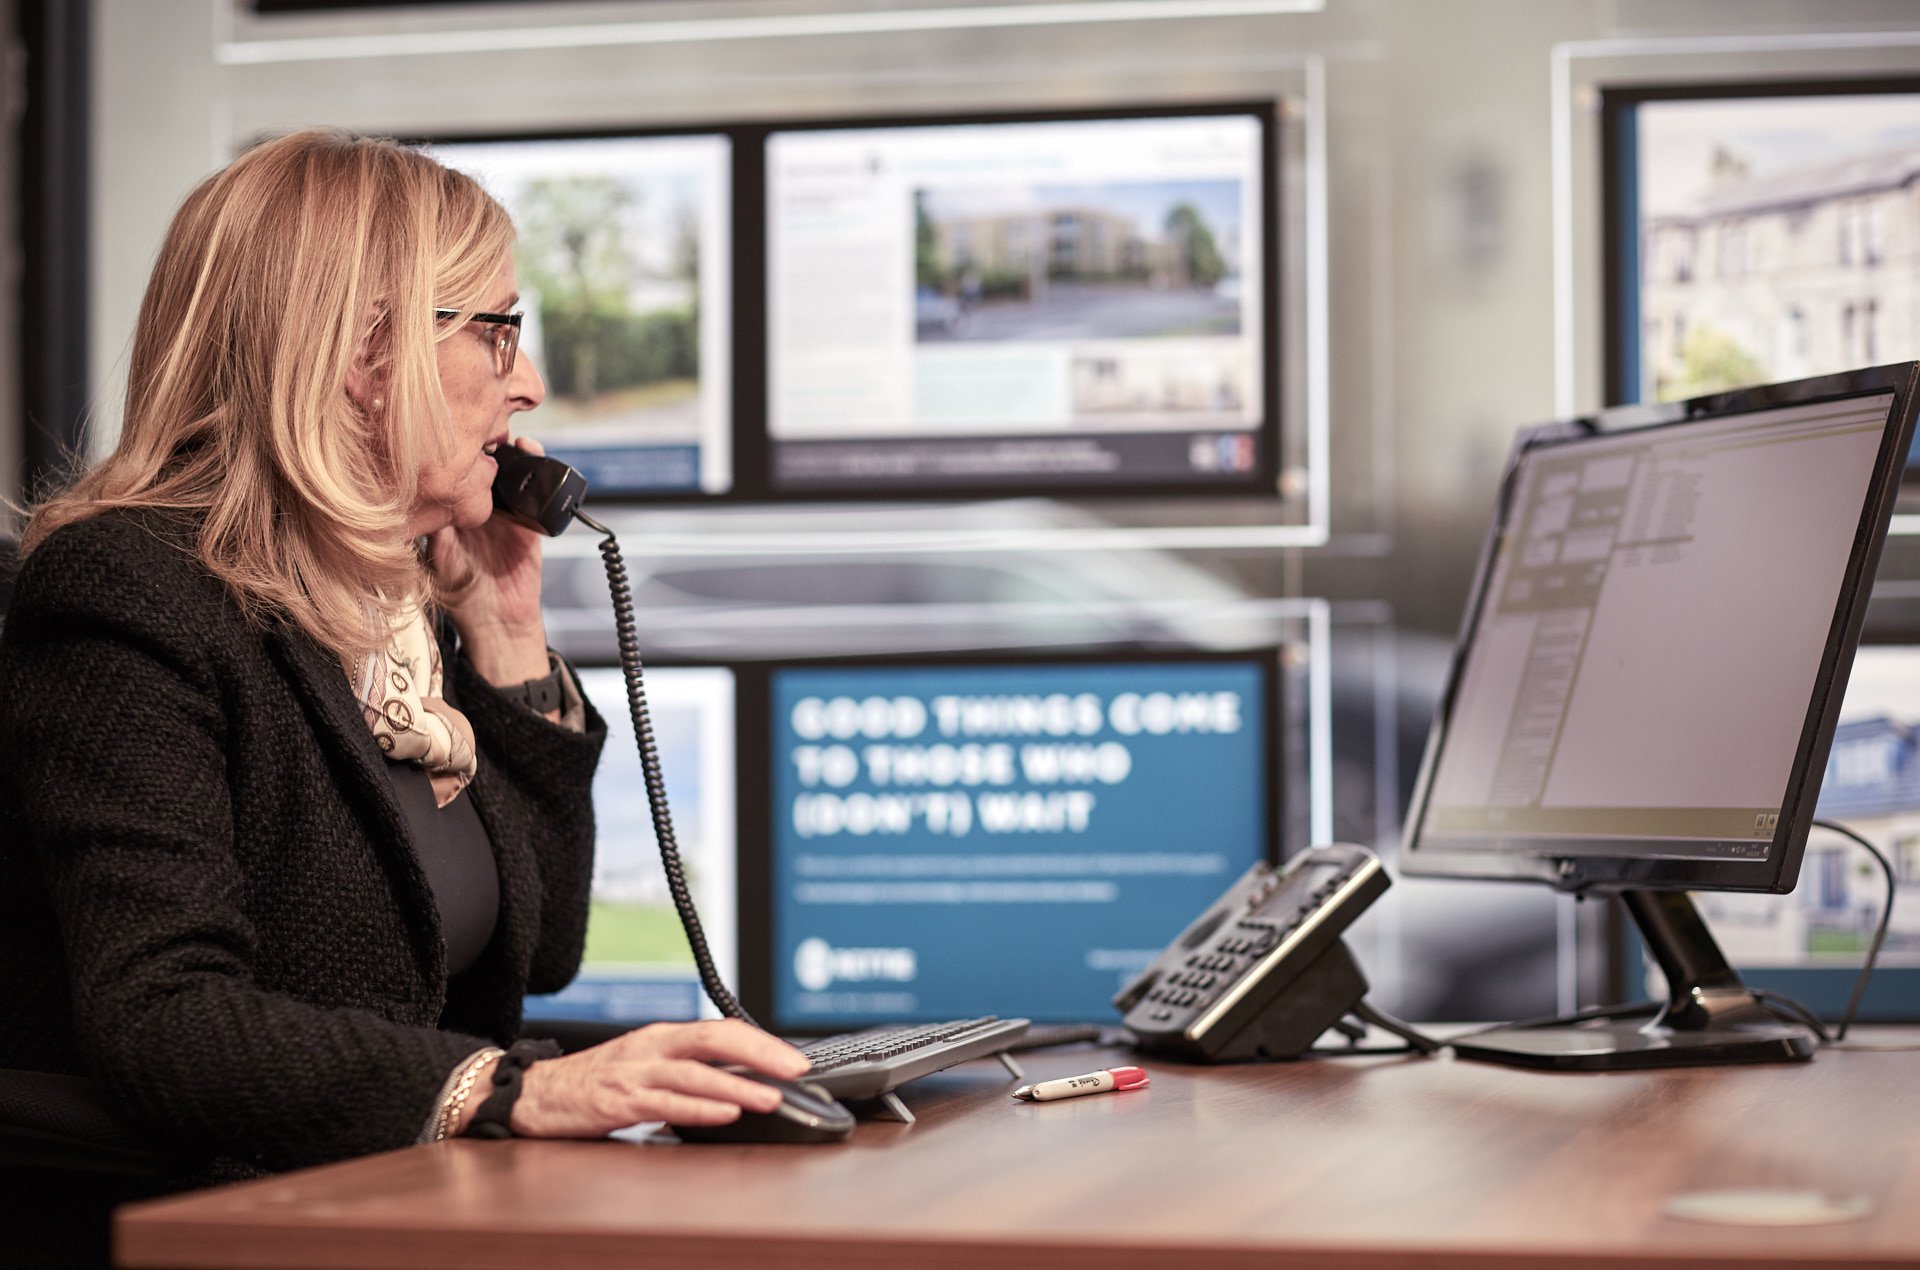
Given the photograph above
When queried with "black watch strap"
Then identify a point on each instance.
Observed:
(543, 694)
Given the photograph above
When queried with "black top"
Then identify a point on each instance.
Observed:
(210, 898)
(457, 859)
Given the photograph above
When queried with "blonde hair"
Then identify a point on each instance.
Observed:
(310, 258)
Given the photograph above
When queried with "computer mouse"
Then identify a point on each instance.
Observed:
(804, 1115)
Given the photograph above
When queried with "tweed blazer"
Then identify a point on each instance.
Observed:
(209, 898)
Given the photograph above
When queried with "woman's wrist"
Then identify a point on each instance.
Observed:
(506, 655)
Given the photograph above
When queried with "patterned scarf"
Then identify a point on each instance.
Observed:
(399, 691)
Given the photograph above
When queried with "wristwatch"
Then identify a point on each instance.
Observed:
(542, 694)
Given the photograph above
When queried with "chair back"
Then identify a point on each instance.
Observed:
(50, 1120)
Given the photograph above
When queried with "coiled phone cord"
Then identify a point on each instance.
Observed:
(627, 631)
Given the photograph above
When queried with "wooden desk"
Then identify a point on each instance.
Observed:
(1360, 1164)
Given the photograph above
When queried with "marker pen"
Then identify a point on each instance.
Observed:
(1118, 1078)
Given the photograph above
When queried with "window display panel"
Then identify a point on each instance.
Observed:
(1759, 232)
(638, 967)
(1066, 305)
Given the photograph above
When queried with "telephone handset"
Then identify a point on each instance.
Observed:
(1262, 973)
(536, 491)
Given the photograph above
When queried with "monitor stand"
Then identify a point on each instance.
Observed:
(1709, 1018)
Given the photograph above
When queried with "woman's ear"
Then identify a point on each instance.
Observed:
(367, 374)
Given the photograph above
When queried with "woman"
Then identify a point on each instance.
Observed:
(277, 861)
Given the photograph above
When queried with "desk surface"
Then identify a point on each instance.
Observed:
(1360, 1163)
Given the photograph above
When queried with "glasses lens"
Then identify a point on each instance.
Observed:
(506, 345)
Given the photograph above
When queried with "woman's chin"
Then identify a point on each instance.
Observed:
(467, 508)
(473, 513)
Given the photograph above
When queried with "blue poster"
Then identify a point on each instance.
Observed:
(1016, 840)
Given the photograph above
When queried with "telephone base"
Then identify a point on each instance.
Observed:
(1286, 1024)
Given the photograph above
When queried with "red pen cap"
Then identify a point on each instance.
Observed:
(1127, 1077)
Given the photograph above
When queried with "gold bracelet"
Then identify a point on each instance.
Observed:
(462, 1088)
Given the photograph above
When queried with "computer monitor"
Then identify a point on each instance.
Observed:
(625, 268)
(638, 967)
(984, 834)
(1648, 678)
(1753, 231)
(1070, 303)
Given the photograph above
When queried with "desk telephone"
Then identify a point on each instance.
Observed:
(1262, 973)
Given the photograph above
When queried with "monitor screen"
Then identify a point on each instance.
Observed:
(625, 266)
(1069, 304)
(1649, 675)
(1010, 836)
(638, 967)
(1756, 232)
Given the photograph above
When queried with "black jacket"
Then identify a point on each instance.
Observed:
(208, 896)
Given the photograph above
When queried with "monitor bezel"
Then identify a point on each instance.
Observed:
(1620, 245)
(1600, 873)
(1262, 479)
(753, 748)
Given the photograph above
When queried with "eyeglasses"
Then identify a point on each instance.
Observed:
(506, 334)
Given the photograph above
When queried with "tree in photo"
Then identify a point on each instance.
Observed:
(929, 271)
(574, 253)
(1196, 252)
(1711, 361)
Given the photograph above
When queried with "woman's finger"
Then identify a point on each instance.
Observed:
(678, 1108)
(702, 1080)
(723, 1041)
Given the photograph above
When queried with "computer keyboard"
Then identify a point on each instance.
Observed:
(869, 1063)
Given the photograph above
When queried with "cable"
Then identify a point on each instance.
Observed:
(1413, 1042)
(1050, 1034)
(1879, 935)
(627, 632)
(1387, 1023)
(1416, 1042)
(1778, 1003)
(1590, 1013)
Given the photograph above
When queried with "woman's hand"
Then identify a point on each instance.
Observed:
(660, 1072)
(497, 611)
